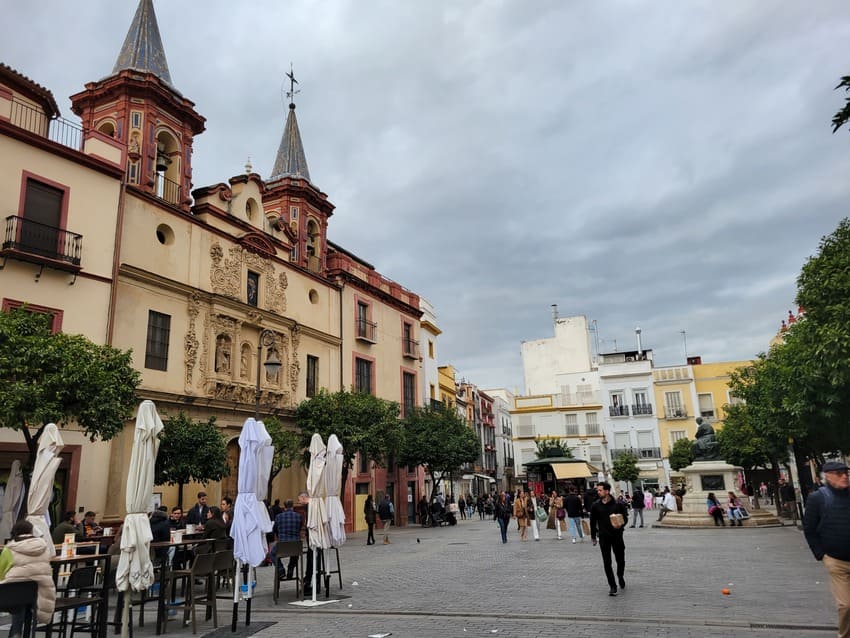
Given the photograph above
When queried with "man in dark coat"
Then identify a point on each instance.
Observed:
(610, 534)
(637, 505)
(198, 514)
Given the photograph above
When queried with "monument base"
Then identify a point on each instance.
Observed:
(703, 477)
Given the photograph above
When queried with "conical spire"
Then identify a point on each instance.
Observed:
(142, 50)
(290, 160)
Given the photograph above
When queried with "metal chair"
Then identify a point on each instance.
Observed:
(203, 568)
(19, 594)
(79, 592)
(287, 549)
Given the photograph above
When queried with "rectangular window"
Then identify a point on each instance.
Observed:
(55, 313)
(618, 405)
(42, 213)
(734, 399)
(156, 350)
(293, 213)
(641, 405)
(363, 375)
(253, 293)
(312, 375)
(134, 173)
(433, 391)
(430, 349)
(675, 435)
(706, 405)
(673, 405)
(595, 453)
(136, 119)
(592, 421)
(293, 253)
(408, 392)
(571, 424)
(363, 463)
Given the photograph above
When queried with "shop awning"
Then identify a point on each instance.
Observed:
(574, 470)
(469, 477)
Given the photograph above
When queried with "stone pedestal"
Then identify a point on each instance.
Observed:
(703, 477)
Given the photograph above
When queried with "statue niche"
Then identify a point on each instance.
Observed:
(705, 447)
(245, 362)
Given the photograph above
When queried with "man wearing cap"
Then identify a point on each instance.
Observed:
(827, 528)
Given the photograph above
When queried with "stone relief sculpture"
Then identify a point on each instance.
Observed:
(245, 362)
(226, 275)
(190, 341)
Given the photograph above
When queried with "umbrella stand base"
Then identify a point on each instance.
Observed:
(312, 603)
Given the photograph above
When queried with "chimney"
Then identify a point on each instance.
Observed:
(637, 335)
(555, 313)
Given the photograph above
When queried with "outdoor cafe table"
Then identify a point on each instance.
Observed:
(163, 573)
(103, 562)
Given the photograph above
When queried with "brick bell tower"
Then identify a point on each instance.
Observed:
(138, 105)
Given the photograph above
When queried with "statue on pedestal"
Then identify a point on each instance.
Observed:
(706, 447)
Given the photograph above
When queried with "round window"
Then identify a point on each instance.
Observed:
(314, 296)
(164, 235)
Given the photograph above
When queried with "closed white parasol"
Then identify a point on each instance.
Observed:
(13, 498)
(41, 487)
(333, 478)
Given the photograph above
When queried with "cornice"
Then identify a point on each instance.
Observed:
(185, 401)
(368, 288)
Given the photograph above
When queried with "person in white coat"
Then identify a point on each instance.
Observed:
(535, 530)
(668, 504)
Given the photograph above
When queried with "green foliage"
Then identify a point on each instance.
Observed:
(843, 115)
(286, 444)
(742, 443)
(190, 451)
(362, 422)
(440, 440)
(60, 378)
(548, 448)
(625, 468)
(681, 454)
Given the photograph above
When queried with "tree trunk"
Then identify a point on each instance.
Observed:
(180, 495)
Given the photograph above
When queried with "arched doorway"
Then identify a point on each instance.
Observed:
(230, 483)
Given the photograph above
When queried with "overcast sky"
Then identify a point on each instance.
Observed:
(665, 164)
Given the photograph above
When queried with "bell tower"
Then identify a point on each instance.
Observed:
(138, 105)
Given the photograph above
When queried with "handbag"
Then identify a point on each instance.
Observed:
(561, 513)
(713, 509)
(542, 516)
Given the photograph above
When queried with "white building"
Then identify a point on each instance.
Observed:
(428, 333)
(503, 403)
(569, 351)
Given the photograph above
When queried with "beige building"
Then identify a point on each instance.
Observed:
(203, 285)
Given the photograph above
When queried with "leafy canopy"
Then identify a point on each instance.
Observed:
(60, 378)
(438, 439)
(681, 454)
(625, 468)
(190, 451)
(549, 448)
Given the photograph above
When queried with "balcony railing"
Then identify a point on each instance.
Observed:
(32, 240)
(675, 412)
(367, 331)
(55, 129)
(410, 348)
(642, 409)
(640, 453)
(592, 428)
(167, 190)
(618, 410)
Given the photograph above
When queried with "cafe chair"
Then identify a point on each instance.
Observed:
(79, 592)
(224, 566)
(286, 550)
(19, 594)
(203, 569)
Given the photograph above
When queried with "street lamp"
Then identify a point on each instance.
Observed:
(272, 364)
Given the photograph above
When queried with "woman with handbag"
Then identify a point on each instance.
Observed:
(715, 510)
(521, 514)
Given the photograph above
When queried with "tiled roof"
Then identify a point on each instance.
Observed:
(143, 50)
(290, 160)
(26, 85)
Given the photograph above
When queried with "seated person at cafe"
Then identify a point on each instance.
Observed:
(88, 526)
(214, 529)
(160, 530)
(288, 527)
(227, 511)
(27, 558)
(66, 527)
(176, 520)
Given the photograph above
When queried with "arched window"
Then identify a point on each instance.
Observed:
(107, 127)
(167, 179)
(313, 248)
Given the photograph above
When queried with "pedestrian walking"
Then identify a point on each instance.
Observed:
(531, 511)
(556, 505)
(608, 519)
(369, 515)
(638, 503)
(827, 529)
(502, 516)
(521, 514)
(461, 506)
(385, 513)
(572, 510)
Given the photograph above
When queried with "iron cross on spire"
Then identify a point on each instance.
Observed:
(291, 93)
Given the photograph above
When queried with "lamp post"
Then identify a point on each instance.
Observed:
(272, 364)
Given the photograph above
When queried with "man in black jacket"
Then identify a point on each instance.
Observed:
(198, 514)
(638, 505)
(827, 529)
(610, 534)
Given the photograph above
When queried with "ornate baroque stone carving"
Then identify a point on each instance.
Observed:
(226, 275)
(295, 366)
(190, 342)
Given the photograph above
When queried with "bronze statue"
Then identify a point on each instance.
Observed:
(706, 447)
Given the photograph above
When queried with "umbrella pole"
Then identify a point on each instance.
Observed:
(252, 577)
(315, 569)
(237, 587)
(125, 613)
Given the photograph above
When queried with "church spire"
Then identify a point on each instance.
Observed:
(290, 160)
(143, 50)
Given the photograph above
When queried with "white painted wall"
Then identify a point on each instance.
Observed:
(568, 351)
(430, 375)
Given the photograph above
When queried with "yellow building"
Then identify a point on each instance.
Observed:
(204, 285)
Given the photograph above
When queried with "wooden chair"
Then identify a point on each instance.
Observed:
(203, 568)
(19, 594)
(287, 549)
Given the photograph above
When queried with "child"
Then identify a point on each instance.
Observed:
(26, 557)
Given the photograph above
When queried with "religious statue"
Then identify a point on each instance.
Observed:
(706, 447)
(272, 377)
(244, 362)
(222, 355)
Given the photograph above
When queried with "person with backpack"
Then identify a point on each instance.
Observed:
(385, 513)
(827, 529)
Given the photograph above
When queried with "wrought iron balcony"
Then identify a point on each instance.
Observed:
(167, 190)
(32, 241)
(367, 331)
(410, 348)
(675, 412)
(618, 410)
(55, 129)
(642, 409)
(640, 453)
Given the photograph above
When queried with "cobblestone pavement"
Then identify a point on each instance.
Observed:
(461, 581)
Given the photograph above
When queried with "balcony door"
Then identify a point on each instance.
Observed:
(42, 219)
